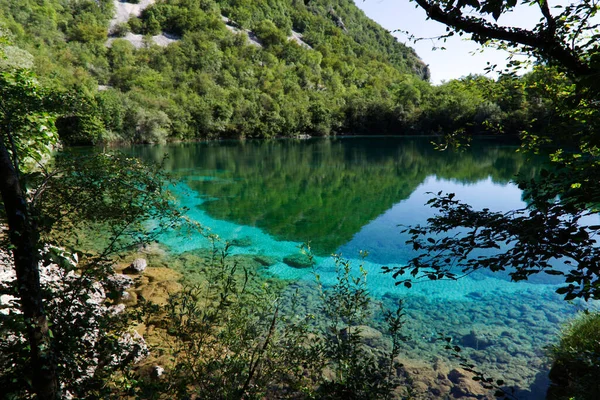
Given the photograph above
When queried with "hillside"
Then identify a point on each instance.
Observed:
(314, 67)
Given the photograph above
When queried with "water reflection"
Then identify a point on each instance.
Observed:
(326, 190)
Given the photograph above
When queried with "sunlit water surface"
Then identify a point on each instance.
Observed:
(348, 195)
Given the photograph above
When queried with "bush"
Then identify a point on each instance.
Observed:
(120, 30)
(576, 360)
(136, 25)
(86, 33)
(235, 335)
(107, 198)
(151, 126)
(268, 33)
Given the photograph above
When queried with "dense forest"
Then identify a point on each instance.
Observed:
(233, 71)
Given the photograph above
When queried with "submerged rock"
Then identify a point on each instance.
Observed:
(241, 242)
(119, 282)
(158, 284)
(476, 341)
(298, 261)
(117, 286)
(465, 387)
(138, 266)
(265, 261)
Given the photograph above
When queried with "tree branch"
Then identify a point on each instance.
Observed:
(549, 46)
(551, 30)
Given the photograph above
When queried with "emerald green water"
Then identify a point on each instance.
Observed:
(347, 195)
(326, 191)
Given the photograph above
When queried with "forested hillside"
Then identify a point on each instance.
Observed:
(213, 82)
(241, 68)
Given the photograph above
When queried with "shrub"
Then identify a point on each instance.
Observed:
(77, 130)
(136, 25)
(347, 306)
(151, 126)
(236, 335)
(576, 360)
(120, 30)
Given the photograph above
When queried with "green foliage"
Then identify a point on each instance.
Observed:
(213, 83)
(237, 336)
(108, 194)
(80, 129)
(26, 116)
(120, 30)
(88, 210)
(575, 366)
(226, 331)
(552, 234)
(347, 307)
(268, 34)
(548, 236)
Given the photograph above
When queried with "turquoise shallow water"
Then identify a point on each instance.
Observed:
(350, 195)
(381, 238)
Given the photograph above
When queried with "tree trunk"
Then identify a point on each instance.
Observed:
(25, 240)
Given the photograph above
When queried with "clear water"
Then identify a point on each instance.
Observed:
(347, 195)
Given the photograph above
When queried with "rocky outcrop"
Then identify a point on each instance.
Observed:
(123, 12)
(74, 298)
(253, 39)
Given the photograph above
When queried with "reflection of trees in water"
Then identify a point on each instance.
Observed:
(324, 190)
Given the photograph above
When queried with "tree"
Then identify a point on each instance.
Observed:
(46, 205)
(26, 129)
(565, 38)
(552, 234)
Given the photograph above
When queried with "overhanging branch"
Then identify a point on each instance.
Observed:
(546, 43)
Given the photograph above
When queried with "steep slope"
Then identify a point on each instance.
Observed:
(321, 68)
(315, 20)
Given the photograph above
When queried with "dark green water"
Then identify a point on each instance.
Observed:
(346, 195)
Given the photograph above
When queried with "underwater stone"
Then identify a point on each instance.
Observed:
(553, 318)
(119, 282)
(465, 387)
(138, 266)
(475, 295)
(298, 261)
(265, 261)
(241, 242)
(475, 341)
(502, 357)
(370, 336)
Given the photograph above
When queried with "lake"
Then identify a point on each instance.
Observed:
(345, 195)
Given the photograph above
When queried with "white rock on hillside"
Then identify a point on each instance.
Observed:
(123, 12)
